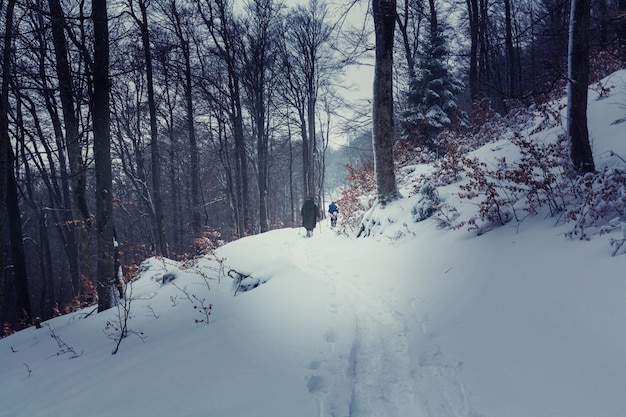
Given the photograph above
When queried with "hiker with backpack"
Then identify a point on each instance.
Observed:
(334, 212)
(310, 213)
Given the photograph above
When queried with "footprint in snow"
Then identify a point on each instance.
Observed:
(317, 384)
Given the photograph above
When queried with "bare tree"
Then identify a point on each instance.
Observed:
(9, 188)
(102, 156)
(157, 203)
(81, 212)
(259, 55)
(218, 18)
(308, 62)
(177, 16)
(409, 22)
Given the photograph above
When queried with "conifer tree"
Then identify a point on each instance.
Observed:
(432, 94)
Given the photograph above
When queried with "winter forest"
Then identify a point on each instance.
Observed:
(134, 128)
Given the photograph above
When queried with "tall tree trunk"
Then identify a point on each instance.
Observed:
(194, 167)
(102, 156)
(47, 272)
(577, 86)
(241, 157)
(258, 56)
(434, 23)
(310, 106)
(474, 22)
(22, 302)
(4, 140)
(510, 50)
(72, 141)
(292, 202)
(154, 140)
(622, 27)
(409, 46)
(484, 64)
(176, 228)
(307, 191)
(382, 113)
(263, 180)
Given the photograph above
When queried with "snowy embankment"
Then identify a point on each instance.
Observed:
(512, 323)
(517, 322)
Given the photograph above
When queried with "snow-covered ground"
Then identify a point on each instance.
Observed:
(517, 322)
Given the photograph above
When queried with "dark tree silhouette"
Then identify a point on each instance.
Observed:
(382, 112)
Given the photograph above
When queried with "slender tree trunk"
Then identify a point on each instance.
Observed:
(510, 50)
(4, 140)
(292, 202)
(176, 231)
(102, 156)
(22, 301)
(382, 113)
(47, 272)
(484, 74)
(219, 22)
(434, 23)
(263, 178)
(194, 168)
(474, 19)
(154, 140)
(408, 46)
(241, 157)
(577, 86)
(72, 140)
(622, 28)
(307, 191)
(311, 102)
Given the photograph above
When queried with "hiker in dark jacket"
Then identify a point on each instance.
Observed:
(309, 214)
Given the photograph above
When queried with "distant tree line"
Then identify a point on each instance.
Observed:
(207, 115)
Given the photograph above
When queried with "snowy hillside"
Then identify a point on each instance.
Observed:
(414, 321)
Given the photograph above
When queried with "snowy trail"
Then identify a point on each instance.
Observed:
(378, 363)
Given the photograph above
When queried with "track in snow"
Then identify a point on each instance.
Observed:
(381, 366)
(374, 377)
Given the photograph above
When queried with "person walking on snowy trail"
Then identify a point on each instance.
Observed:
(334, 212)
(309, 214)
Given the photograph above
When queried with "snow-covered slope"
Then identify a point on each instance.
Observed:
(516, 322)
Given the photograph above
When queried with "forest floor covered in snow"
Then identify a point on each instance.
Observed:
(413, 321)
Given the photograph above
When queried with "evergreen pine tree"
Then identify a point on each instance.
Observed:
(432, 94)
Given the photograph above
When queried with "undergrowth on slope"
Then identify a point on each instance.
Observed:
(540, 180)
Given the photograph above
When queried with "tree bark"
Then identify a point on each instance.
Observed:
(382, 113)
(474, 19)
(219, 22)
(72, 141)
(22, 302)
(577, 86)
(102, 156)
(4, 140)
(410, 46)
(47, 271)
(154, 140)
(184, 40)
(258, 57)
(510, 50)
